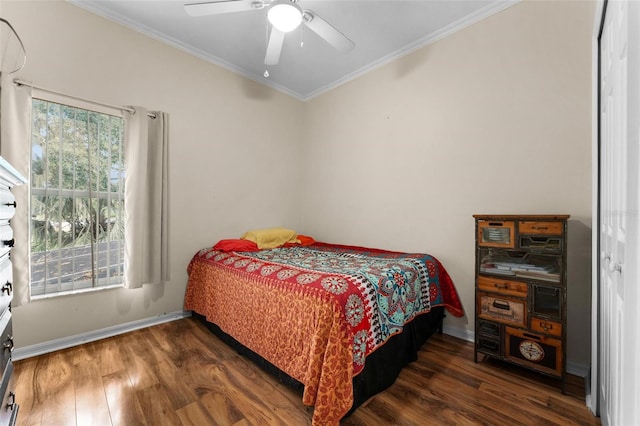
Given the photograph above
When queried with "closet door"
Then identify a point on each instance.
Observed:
(619, 254)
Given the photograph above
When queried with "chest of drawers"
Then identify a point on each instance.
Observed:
(521, 290)
(9, 177)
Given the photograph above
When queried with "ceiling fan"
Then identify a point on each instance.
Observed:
(283, 15)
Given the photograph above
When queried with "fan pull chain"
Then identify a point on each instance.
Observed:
(266, 44)
(302, 36)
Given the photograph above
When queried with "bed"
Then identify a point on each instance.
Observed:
(340, 321)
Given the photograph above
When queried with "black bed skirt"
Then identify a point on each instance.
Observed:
(381, 367)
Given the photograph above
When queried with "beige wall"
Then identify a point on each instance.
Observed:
(231, 142)
(492, 119)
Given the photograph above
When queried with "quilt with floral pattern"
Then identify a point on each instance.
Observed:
(316, 312)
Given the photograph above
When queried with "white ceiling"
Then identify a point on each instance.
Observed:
(382, 30)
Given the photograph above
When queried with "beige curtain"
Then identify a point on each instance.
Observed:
(15, 147)
(146, 198)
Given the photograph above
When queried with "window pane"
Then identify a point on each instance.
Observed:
(38, 138)
(67, 154)
(82, 151)
(116, 174)
(104, 152)
(77, 207)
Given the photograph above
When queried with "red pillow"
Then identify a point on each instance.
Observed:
(305, 240)
(236, 245)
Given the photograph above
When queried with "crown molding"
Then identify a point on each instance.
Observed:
(491, 9)
(454, 27)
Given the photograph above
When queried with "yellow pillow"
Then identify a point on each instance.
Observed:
(271, 237)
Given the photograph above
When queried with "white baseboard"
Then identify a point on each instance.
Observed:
(460, 333)
(577, 369)
(91, 336)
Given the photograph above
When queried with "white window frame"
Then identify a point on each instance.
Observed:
(89, 285)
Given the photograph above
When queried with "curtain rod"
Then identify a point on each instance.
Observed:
(122, 108)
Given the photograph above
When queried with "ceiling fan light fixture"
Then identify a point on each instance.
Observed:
(285, 15)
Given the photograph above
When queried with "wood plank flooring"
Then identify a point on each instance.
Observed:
(179, 374)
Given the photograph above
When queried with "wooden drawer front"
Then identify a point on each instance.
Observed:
(506, 287)
(7, 205)
(496, 233)
(545, 326)
(6, 237)
(534, 351)
(547, 301)
(6, 283)
(537, 227)
(502, 309)
(489, 346)
(488, 328)
(6, 339)
(8, 406)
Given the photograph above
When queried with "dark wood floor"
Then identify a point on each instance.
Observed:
(179, 374)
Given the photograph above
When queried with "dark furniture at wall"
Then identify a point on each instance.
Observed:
(8, 178)
(521, 290)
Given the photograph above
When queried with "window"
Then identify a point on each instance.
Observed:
(77, 199)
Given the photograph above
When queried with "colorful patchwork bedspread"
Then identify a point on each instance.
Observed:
(317, 312)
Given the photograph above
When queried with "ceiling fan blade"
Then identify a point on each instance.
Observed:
(276, 40)
(327, 31)
(222, 6)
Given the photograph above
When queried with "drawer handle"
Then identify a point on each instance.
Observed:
(546, 291)
(9, 243)
(531, 336)
(490, 344)
(12, 401)
(8, 345)
(541, 228)
(545, 326)
(11, 204)
(501, 286)
(8, 287)
(498, 304)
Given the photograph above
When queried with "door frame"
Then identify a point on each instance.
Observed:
(592, 392)
(629, 412)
